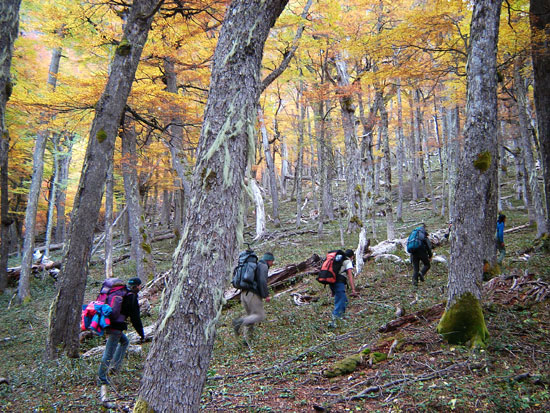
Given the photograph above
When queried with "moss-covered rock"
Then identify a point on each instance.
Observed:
(464, 323)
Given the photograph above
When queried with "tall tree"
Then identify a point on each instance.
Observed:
(23, 290)
(476, 185)
(9, 24)
(140, 247)
(65, 309)
(540, 52)
(175, 374)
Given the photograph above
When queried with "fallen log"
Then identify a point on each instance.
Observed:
(15, 272)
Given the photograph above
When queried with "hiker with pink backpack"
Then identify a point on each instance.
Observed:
(123, 299)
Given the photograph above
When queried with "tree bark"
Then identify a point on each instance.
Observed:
(353, 162)
(64, 162)
(175, 374)
(270, 170)
(109, 206)
(139, 239)
(175, 145)
(527, 150)
(400, 155)
(388, 197)
(9, 26)
(65, 310)
(23, 289)
(476, 186)
(540, 53)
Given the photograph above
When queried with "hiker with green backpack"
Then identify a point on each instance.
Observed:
(420, 248)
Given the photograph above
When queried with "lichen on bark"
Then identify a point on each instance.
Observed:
(464, 323)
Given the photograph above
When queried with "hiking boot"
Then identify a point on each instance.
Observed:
(237, 327)
(332, 324)
(421, 277)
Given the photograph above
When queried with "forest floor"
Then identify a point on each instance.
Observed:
(284, 369)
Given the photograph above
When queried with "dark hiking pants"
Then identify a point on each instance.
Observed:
(420, 255)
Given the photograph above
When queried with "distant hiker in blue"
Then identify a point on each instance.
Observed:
(420, 248)
(117, 342)
(338, 289)
(499, 238)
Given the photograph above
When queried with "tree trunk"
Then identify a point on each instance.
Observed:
(256, 196)
(390, 227)
(540, 52)
(400, 155)
(109, 203)
(527, 150)
(9, 25)
(353, 162)
(64, 162)
(175, 145)
(23, 290)
(327, 211)
(65, 310)
(298, 172)
(140, 244)
(476, 191)
(367, 160)
(52, 82)
(415, 177)
(174, 374)
(270, 170)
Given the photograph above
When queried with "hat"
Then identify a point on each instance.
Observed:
(134, 281)
(268, 257)
(349, 253)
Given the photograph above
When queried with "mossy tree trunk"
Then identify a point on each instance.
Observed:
(388, 197)
(66, 308)
(540, 52)
(177, 363)
(476, 186)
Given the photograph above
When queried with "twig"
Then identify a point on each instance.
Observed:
(405, 380)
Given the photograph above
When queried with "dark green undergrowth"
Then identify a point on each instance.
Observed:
(282, 370)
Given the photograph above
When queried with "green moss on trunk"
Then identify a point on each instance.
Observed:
(464, 322)
(142, 406)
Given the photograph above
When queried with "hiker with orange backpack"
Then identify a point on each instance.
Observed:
(117, 342)
(338, 288)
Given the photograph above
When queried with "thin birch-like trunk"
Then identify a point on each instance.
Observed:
(527, 151)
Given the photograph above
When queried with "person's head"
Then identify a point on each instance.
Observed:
(350, 253)
(268, 258)
(501, 218)
(134, 284)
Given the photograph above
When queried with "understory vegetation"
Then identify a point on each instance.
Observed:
(408, 368)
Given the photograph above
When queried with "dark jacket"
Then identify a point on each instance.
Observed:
(426, 244)
(261, 279)
(130, 308)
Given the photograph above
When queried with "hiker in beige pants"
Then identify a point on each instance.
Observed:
(252, 300)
